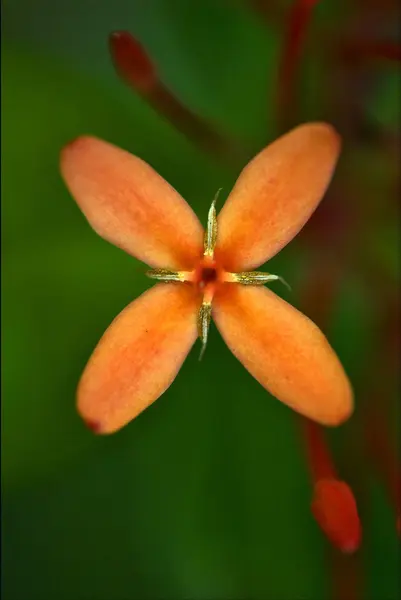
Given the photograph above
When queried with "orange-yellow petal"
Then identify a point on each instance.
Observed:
(130, 205)
(284, 351)
(275, 195)
(138, 357)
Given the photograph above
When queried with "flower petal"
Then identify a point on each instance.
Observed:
(284, 351)
(275, 195)
(138, 357)
(130, 205)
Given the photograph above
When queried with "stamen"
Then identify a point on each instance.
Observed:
(167, 275)
(211, 229)
(255, 278)
(204, 318)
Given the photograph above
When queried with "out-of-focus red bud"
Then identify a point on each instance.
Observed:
(134, 66)
(335, 510)
(131, 61)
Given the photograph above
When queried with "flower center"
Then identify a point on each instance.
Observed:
(206, 275)
(209, 275)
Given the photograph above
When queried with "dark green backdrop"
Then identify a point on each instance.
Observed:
(206, 495)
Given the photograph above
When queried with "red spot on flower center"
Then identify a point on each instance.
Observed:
(209, 275)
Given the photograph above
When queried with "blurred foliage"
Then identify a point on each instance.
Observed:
(206, 495)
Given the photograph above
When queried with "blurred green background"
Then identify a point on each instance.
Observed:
(205, 495)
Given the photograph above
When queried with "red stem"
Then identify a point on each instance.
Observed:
(319, 459)
(360, 49)
(298, 20)
(137, 70)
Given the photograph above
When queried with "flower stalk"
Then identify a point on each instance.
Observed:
(135, 67)
(333, 504)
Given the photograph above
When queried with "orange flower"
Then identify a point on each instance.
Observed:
(207, 275)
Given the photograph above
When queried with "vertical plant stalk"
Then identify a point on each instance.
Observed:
(319, 459)
(299, 17)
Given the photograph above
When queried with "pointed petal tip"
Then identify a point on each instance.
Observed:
(73, 142)
(343, 408)
(94, 426)
(323, 128)
(335, 510)
(329, 137)
(97, 426)
(77, 144)
(96, 421)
